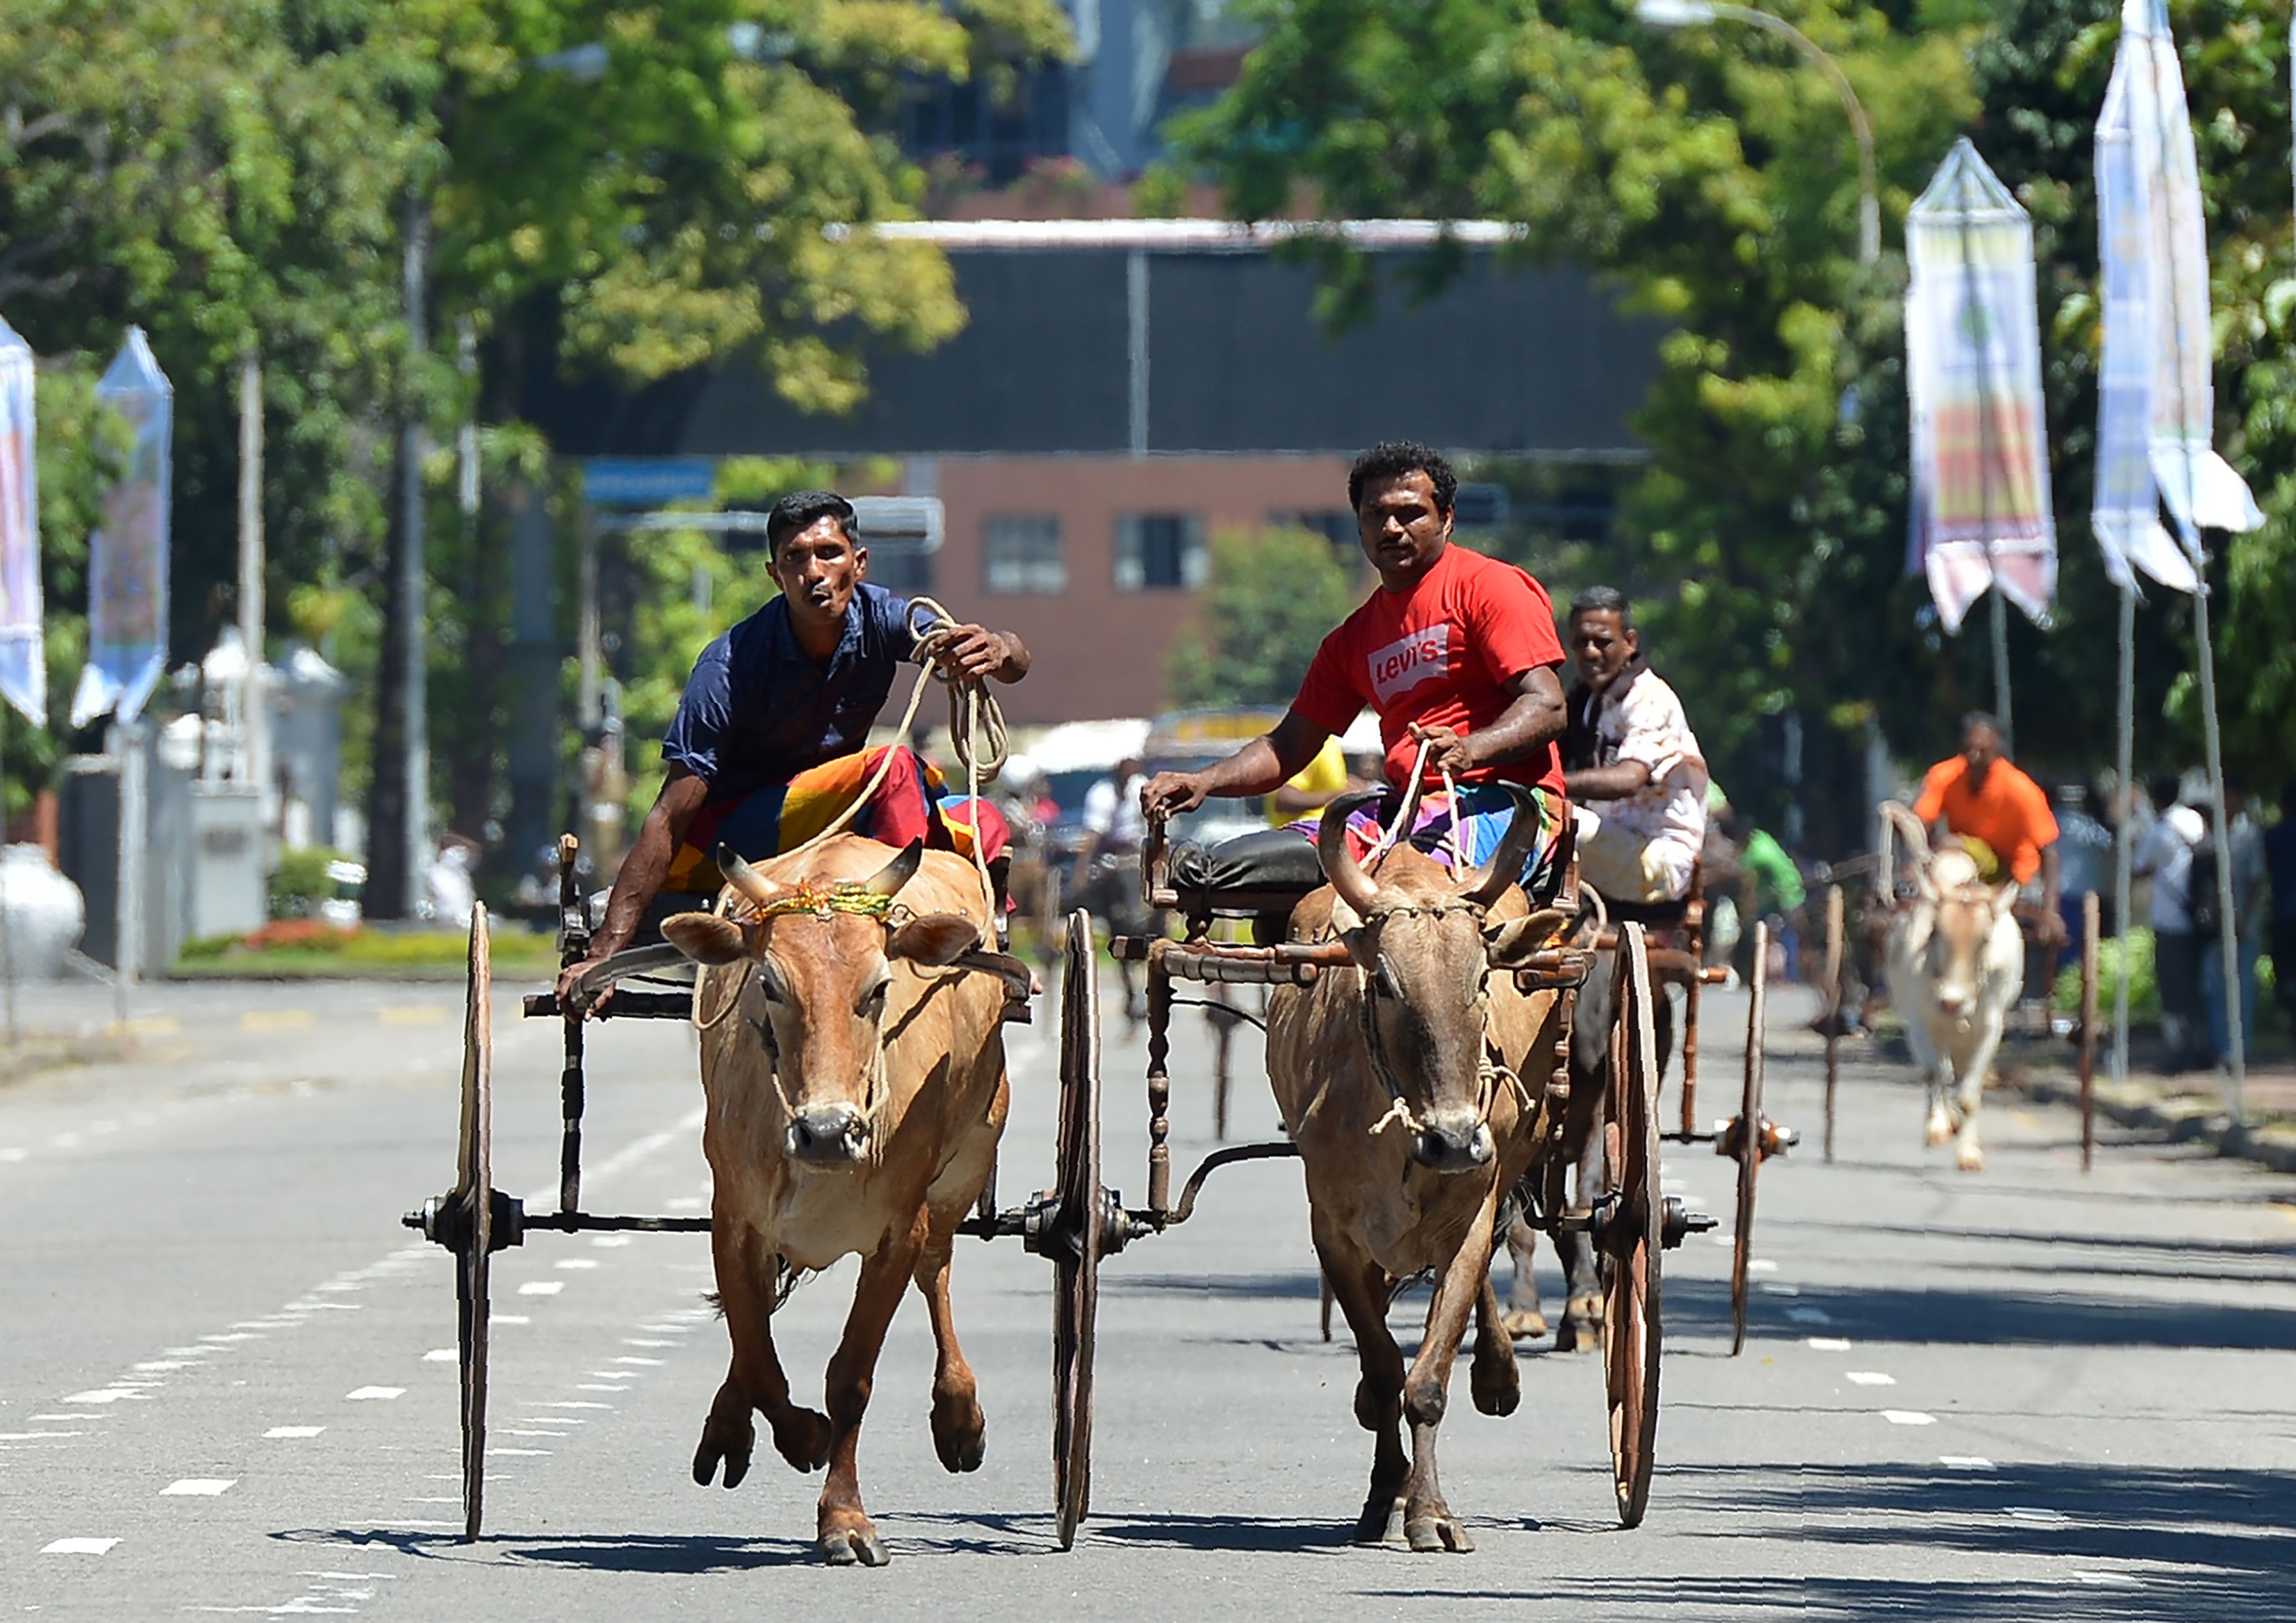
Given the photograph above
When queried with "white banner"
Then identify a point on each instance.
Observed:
(23, 645)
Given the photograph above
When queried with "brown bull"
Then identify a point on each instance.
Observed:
(856, 1089)
(1398, 1079)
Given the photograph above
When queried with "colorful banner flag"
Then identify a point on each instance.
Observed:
(1981, 513)
(127, 555)
(23, 641)
(2157, 396)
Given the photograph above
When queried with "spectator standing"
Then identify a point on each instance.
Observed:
(1771, 883)
(1107, 877)
(2165, 855)
(2085, 853)
(2279, 843)
(2250, 908)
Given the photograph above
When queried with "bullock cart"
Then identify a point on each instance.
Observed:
(1626, 1218)
(1675, 934)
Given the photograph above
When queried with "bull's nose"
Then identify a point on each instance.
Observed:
(1457, 1143)
(827, 1136)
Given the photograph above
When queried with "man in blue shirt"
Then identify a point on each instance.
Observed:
(768, 746)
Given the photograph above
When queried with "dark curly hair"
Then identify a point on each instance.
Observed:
(1391, 459)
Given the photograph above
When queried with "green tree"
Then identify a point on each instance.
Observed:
(1269, 600)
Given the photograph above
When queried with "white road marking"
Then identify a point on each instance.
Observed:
(542, 1453)
(576, 1264)
(199, 1488)
(1760, 1265)
(1809, 1316)
(225, 1338)
(510, 1318)
(158, 1364)
(650, 1362)
(1770, 1287)
(1965, 1462)
(34, 1437)
(440, 1355)
(1909, 1417)
(573, 1403)
(11, 1153)
(1870, 1377)
(383, 1393)
(294, 1431)
(1828, 1344)
(515, 1431)
(2035, 1513)
(646, 1341)
(679, 1330)
(2110, 1580)
(608, 1243)
(688, 1203)
(38, 1418)
(110, 1394)
(78, 1547)
(597, 1386)
(542, 1287)
(1721, 1239)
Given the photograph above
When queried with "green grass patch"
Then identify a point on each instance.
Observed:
(309, 950)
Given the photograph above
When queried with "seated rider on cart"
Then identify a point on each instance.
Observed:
(1980, 801)
(1637, 777)
(1453, 650)
(769, 744)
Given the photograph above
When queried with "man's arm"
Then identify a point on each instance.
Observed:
(2050, 927)
(645, 867)
(1532, 720)
(1260, 767)
(1613, 782)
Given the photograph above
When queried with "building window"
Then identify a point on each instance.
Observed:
(1160, 552)
(1021, 553)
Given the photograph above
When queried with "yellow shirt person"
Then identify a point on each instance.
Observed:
(1312, 788)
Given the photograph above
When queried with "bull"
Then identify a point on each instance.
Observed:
(1957, 964)
(855, 1088)
(1399, 1080)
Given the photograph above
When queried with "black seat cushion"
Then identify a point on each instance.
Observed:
(1651, 916)
(1272, 860)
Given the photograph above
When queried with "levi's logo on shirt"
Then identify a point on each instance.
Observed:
(1405, 663)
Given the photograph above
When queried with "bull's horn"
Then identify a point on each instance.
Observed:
(889, 880)
(1356, 887)
(743, 877)
(1506, 866)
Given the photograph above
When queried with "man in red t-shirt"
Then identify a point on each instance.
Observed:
(1455, 649)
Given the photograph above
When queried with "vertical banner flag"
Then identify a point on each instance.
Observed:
(127, 555)
(2157, 398)
(24, 646)
(1981, 511)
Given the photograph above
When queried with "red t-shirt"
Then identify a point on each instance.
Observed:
(1441, 654)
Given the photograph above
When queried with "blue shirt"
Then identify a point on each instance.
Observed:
(759, 709)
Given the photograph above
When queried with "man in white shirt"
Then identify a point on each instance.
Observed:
(1633, 768)
(1107, 874)
(2165, 854)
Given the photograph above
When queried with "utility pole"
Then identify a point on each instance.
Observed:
(396, 844)
(255, 715)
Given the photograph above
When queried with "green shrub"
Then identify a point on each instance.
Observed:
(2144, 988)
(301, 882)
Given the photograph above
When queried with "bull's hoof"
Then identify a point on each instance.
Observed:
(1523, 1323)
(802, 1437)
(853, 1546)
(1381, 1520)
(960, 1431)
(1582, 1326)
(1938, 1130)
(728, 1438)
(1494, 1380)
(1970, 1159)
(1431, 1535)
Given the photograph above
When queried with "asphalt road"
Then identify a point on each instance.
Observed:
(227, 1384)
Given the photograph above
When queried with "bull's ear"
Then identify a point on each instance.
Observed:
(705, 936)
(1511, 945)
(936, 939)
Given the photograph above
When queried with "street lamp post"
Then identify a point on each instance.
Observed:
(1693, 13)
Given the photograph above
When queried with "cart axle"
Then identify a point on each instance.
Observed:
(445, 1220)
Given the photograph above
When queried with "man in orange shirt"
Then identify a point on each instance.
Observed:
(2001, 816)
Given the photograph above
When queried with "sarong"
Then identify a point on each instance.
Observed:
(909, 804)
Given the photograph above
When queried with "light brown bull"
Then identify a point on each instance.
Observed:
(856, 1090)
(1398, 1079)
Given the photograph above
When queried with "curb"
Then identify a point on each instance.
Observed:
(2271, 1143)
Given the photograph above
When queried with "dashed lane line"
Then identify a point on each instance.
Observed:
(1909, 1417)
(294, 1431)
(199, 1488)
(78, 1547)
(375, 1393)
(1869, 1377)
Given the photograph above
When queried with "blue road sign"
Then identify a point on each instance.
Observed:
(647, 481)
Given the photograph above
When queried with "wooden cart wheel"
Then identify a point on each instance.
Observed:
(1746, 1140)
(474, 1188)
(1076, 1254)
(1634, 1235)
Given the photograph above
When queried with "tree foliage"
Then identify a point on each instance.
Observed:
(1269, 601)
